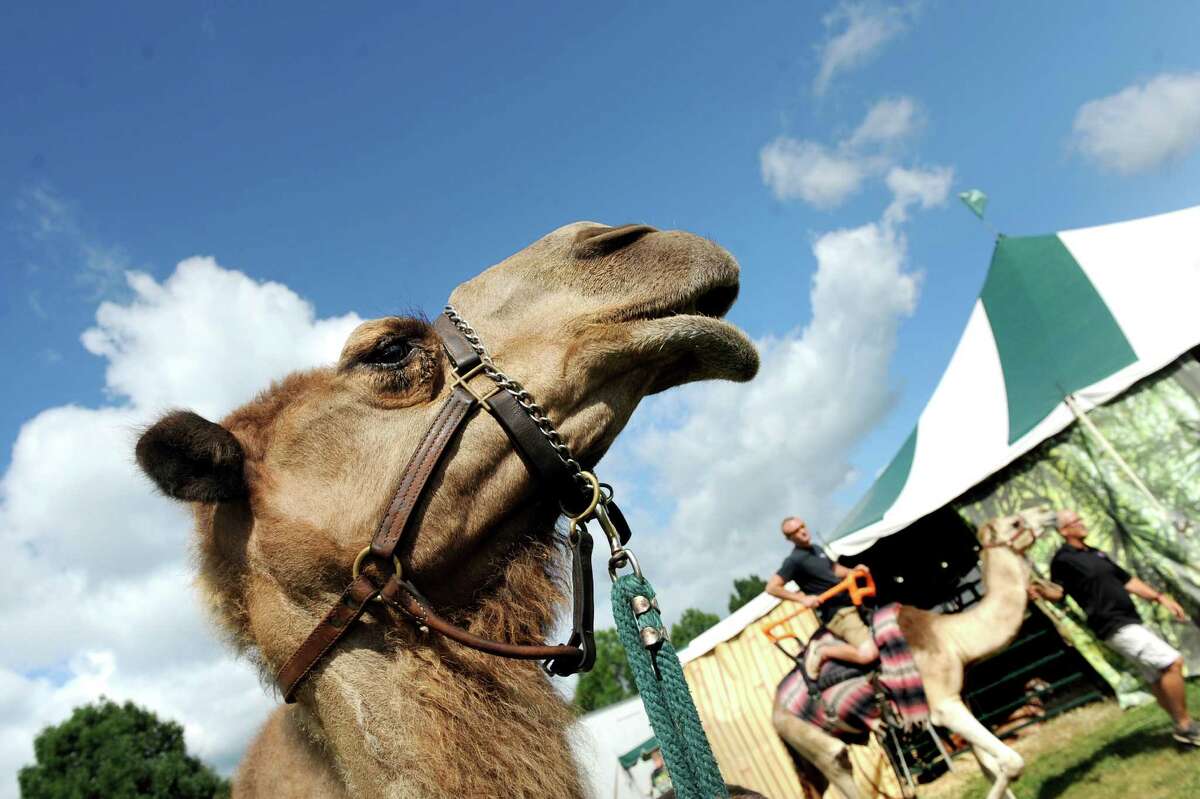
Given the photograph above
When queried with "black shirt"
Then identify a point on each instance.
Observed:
(813, 572)
(1098, 585)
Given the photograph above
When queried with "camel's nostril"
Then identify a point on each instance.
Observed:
(596, 241)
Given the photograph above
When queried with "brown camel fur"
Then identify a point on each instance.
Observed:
(287, 489)
(942, 646)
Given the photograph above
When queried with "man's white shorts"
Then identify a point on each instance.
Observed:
(1149, 653)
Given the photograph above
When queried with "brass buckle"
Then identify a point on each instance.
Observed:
(357, 567)
(461, 380)
(578, 520)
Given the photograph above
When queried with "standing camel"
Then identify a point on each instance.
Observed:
(942, 646)
(287, 489)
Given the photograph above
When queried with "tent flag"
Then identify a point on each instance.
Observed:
(1083, 314)
(638, 752)
(975, 200)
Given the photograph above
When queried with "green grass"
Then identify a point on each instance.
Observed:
(1104, 754)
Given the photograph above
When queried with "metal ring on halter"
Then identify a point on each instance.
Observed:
(587, 512)
(622, 557)
(358, 562)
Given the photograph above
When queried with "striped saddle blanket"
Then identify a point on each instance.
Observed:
(849, 708)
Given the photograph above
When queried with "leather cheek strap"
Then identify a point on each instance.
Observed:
(461, 353)
(353, 602)
(425, 458)
(527, 438)
(582, 609)
(534, 449)
(347, 610)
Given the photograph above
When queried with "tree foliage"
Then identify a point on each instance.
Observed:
(116, 751)
(690, 624)
(610, 680)
(745, 589)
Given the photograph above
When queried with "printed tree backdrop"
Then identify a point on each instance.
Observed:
(1155, 427)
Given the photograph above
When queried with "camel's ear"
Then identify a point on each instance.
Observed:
(986, 534)
(190, 458)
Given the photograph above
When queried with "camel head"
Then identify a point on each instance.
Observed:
(288, 488)
(1017, 532)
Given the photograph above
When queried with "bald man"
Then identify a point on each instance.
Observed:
(1102, 589)
(814, 573)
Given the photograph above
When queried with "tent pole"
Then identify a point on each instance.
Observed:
(1108, 447)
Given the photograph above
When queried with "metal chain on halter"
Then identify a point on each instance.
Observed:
(523, 398)
(655, 665)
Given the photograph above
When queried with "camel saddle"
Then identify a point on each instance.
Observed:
(849, 701)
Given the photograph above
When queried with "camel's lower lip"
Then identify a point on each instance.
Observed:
(678, 331)
(692, 347)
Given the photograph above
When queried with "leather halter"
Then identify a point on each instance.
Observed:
(1010, 542)
(542, 451)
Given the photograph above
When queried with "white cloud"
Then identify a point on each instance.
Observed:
(924, 187)
(46, 213)
(103, 268)
(121, 618)
(808, 171)
(856, 33)
(71, 468)
(53, 223)
(746, 456)
(174, 342)
(219, 702)
(887, 121)
(826, 177)
(1141, 126)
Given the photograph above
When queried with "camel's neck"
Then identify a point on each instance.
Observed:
(422, 717)
(993, 622)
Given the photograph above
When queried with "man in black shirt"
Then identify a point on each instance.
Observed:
(814, 573)
(1102, 589)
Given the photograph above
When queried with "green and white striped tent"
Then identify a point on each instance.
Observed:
(1081, 314)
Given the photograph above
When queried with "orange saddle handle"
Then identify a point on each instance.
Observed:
(858, 583)
(850, 583)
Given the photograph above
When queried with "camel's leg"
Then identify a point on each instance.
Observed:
(991, 768)
(829, 755)
(953, 714)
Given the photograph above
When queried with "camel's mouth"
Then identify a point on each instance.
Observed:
(712, 301)
(685, 335)
(710, 295)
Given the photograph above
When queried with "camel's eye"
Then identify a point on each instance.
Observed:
(390, 351)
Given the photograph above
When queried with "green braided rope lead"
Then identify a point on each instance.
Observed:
(659, 678)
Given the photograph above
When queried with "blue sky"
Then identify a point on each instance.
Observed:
(371, 159)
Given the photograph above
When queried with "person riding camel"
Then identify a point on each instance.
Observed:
(814, 573)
